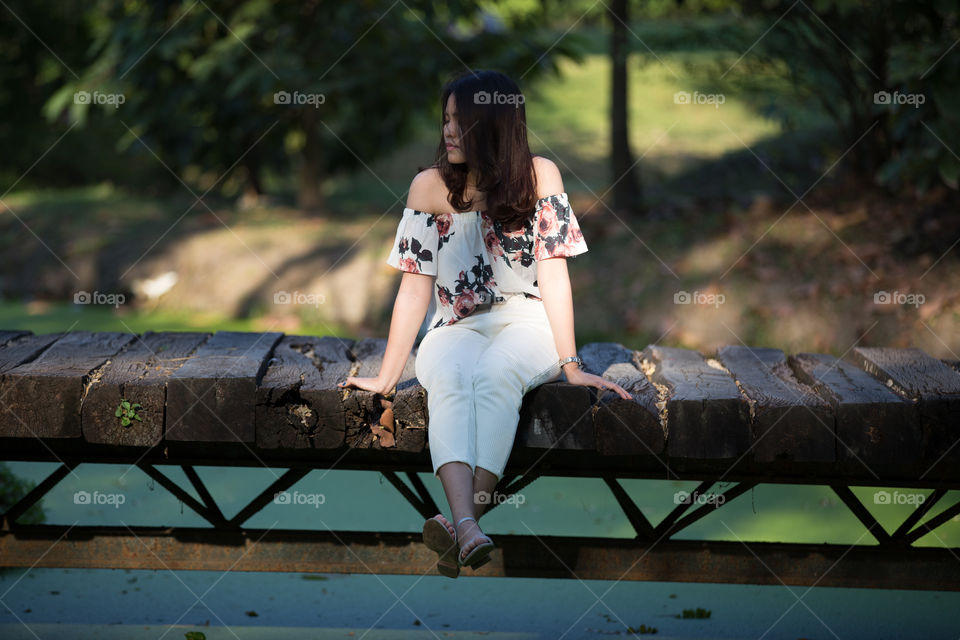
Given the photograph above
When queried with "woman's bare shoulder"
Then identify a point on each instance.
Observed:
(427, 192)
(549, 181)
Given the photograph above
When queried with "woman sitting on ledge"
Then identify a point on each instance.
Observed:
(496, 265)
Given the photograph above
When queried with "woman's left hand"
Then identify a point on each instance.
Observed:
(581, 377)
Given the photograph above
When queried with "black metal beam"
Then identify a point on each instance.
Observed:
(201, 490)
(506, 488)
(284, 482)
(573, 464)
(865, 517)
(425, 497)
(630, 509)
(900, 534)
(422, 508)
(34, 495)
(671, 518)
(207, 549)
(931, 524)
(179, 492)
(703, 510)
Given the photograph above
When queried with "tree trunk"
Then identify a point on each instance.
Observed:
(309, 196)
(626, 189)
(253, 185)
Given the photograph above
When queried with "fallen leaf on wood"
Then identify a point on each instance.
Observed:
(386, 420)
(385, 430)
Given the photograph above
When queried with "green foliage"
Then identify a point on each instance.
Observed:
(697, 614)
(43, 43)
(882, 73)
(221, 90)
(127, 412)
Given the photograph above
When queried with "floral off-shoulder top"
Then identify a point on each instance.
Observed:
(475, 261)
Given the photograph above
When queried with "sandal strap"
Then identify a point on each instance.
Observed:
(482, 535)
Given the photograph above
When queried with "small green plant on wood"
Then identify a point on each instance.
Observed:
(127, 412)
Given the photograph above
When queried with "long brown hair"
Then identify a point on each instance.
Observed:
(493, 138)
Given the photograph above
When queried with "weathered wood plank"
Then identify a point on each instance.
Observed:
(139, 374)
(410, 400)
(298, 404)
(706, 415)
(409, 408)
(931, 384)
(557, 415)
(892, 426)
(212, 397)
(24, 349)
(788, 421)
(874, 425)
(42, 396)
(364, 409)
(8, 335)
(624, 427)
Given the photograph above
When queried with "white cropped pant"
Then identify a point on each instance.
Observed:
(476, 373)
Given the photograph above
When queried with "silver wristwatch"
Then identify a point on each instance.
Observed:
(576, 359)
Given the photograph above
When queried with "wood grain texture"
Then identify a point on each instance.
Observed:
(889, 413)
(42, 396)
(364, 409)
(706, 415)
(932, 386)
(138, 374)
(24, 349)
(212, 397)
(8, 335)
(298, 404)
(874, 425)
(624, 427)
(788, 421)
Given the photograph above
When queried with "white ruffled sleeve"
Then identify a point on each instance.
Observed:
(556, 232)
(415, 247)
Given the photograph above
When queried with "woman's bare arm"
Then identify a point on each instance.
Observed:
(411, 304)
(554, 285)
(553, 281)
(555, 291)
(409, 309)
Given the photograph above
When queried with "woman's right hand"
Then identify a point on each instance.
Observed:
(375, 385)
